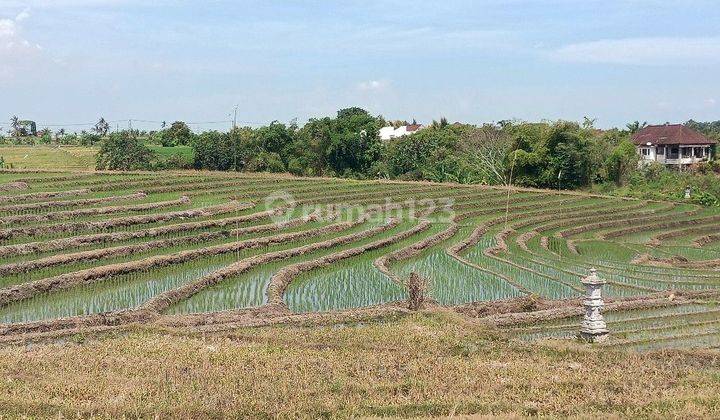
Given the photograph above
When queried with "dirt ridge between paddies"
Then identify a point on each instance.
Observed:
(568, 308)
(676, 261)
(42, 195)
(124, 250)
(43, 205)
(499, 313)
(63, 281)
(102, 238)
(14, 186)
(164, 300)
(123, 221)
(657, 215)
(93, 211)
(280, 281)
(150, 309)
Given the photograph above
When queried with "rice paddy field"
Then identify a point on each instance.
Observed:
(102, 250)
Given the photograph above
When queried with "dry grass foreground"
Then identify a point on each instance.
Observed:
(426, 364)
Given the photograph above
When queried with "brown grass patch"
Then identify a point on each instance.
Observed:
(418, 365)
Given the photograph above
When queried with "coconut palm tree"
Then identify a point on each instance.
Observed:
(635, 126)
(15, 124)
(102, 127)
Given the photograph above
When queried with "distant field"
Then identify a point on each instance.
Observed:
(185, 152)
(72, 157)
(46, 157)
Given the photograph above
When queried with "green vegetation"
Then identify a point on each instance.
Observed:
(81, 244)
(124, 152)
(554, 155)
(58, 157)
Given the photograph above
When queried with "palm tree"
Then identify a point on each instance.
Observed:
(635, 126)
(15, 124)
(101, 127)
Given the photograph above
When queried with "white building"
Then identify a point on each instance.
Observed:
(672, 144)
(390, 132)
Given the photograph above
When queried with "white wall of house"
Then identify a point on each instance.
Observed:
(674, 154)
(389, 132)
(647, 153)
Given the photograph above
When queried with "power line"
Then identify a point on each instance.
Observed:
(128, 121)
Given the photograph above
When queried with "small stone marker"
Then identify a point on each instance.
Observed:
(593, 328)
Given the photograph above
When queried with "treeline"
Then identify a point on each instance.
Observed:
(562, 154)
(557, 155)
(550, 155)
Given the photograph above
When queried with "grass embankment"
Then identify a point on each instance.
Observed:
(425, 364)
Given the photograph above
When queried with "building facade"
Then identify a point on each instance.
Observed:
(673, 144)
(390, 132)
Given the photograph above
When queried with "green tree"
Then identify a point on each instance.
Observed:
(178, 134)
(101, 127)
(219, 151)
(125, 152)
(636, 126)
(622, 162)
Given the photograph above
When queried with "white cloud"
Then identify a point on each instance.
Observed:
(644, 51)
(373, 85)
(22, 15)
(15, 51)
(710, 102)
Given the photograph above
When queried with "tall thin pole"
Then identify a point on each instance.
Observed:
(507, 202)
(234, 139)
(237, 222)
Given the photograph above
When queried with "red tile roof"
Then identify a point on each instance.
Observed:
(413, 127)
(669, 134)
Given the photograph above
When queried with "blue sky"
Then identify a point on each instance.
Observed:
(70, 61)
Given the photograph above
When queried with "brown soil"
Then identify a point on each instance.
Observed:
(94, 211)
(101, 238)
(122, 221)
(621, 221)
(27, 290)
(676, 261)
(573, 307)
(17, 208)
(102, 253)
(168, 298)
(661, 225)
(41, 195)
(14, 186)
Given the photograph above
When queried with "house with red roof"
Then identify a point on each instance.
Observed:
(673, 144)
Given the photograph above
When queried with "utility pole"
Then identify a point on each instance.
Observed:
(235, 168)
(234, 139)
(235, 117)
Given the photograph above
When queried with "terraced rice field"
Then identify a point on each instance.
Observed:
(104, 249)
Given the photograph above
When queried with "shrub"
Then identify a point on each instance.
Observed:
(266, 162)
(124, 152)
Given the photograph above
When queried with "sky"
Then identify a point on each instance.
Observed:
(68, 62)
